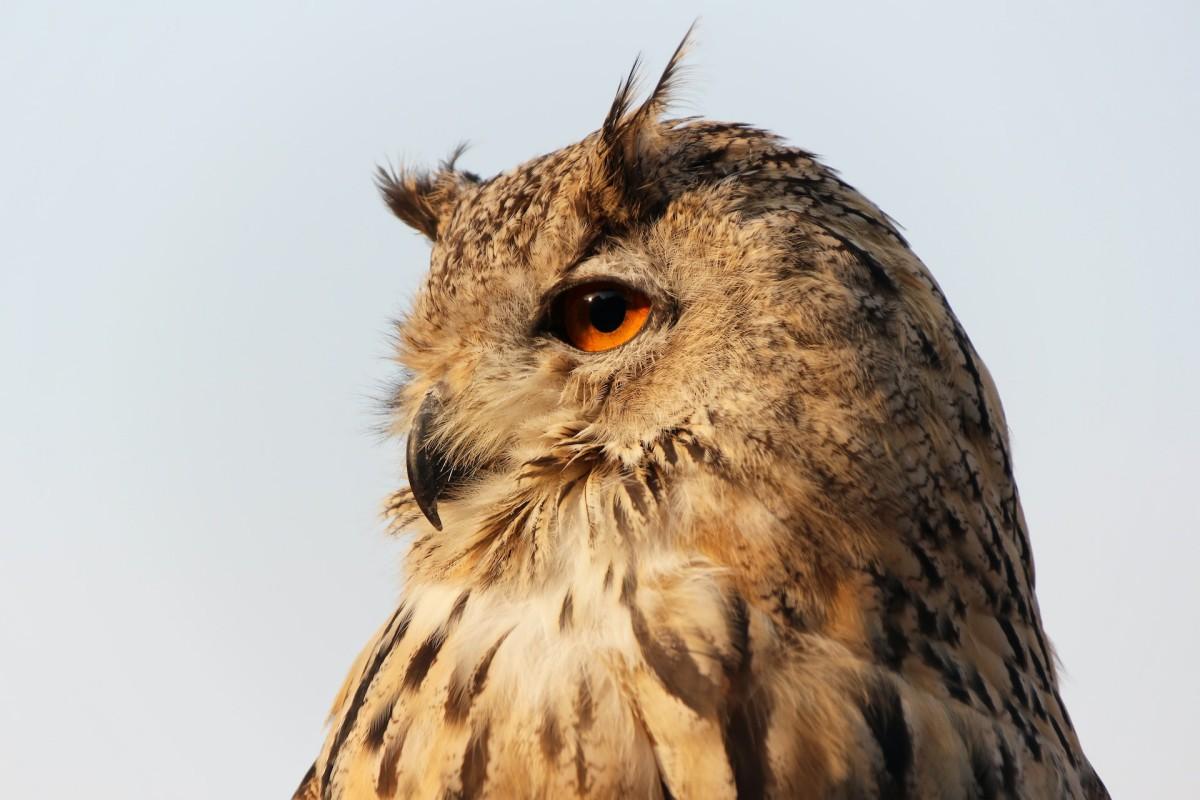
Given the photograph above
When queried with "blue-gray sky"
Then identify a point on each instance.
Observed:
(196, 282)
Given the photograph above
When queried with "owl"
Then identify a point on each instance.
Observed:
(710, 497)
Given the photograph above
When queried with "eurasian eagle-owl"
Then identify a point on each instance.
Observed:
(712, 497)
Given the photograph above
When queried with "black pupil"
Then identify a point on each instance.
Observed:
(606, 310)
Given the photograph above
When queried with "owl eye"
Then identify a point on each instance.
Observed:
(599, 316)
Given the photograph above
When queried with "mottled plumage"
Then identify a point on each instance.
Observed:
(770, 547)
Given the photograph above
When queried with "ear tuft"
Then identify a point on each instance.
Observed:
(425, 200)
(629, 137)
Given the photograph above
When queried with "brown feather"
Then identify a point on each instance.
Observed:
(770, 547)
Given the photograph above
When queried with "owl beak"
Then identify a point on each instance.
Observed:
(429, 472)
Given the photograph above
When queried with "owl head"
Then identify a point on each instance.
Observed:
(679, 336)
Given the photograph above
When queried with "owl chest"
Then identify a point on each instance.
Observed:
(584, 688)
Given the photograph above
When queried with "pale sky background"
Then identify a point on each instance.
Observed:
(196, 282)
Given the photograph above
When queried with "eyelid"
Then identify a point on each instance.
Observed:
(575, 279)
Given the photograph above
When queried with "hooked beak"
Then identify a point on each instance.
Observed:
(429, 472)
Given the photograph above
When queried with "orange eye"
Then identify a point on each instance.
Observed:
(600, 316)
